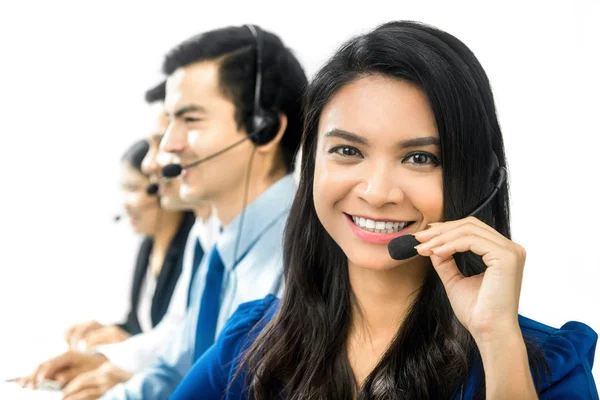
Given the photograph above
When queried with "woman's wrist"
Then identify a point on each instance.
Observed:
(506, 365)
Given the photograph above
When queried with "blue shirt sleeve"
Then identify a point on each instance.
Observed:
(570, 354)
(212, 375)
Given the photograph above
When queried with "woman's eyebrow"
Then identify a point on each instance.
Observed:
(349, 136)
(418, 142)
(354, 138)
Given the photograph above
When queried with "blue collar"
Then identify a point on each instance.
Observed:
(263, 212)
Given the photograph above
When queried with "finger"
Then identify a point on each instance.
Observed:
(477, 244)
(84, 329)
(48, 369)
(86, 394)
(466, 229)
(69, 334)
(65, 376)
(438, 228)
(83, 381)
(447, 270)
(100, 336)
(25, 380)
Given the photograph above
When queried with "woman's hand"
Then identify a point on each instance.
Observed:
(486, 304)
(62, 369)
(106, 335)
(93, 384)
(79, 332)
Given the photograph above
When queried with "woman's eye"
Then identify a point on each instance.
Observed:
(421, 159)
(191, 119)
(346, 151)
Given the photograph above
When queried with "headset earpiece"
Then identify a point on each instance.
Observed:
(266, 126)
(265, 123)
(497, 173)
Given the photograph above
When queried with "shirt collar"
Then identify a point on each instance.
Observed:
(207, 230)
(259, 215)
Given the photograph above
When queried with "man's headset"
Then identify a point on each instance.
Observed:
(263, 125)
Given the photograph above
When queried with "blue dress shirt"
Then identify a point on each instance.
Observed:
(252, 277)
(569, 351)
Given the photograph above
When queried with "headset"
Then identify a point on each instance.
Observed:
(263, 124)
(403, 247)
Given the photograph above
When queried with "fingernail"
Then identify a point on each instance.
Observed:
(419, 234)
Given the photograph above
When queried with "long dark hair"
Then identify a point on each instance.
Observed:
(301, 353)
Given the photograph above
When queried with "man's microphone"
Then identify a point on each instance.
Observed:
(171, 171)
(403, 247)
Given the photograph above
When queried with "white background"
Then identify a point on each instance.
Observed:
(73, 77)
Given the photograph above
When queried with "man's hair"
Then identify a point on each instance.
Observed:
(157, 93)
(283, 79)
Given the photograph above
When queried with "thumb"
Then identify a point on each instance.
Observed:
(447, 270)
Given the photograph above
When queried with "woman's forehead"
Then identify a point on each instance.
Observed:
(377, 107)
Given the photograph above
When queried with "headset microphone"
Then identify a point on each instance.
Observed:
(171, 171)
(263, 125)
(152, 189)
(168, 171)
(174, 170)
(403, 247)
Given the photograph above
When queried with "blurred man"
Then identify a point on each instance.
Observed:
(247, 132)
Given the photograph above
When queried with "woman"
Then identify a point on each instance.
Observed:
(159, 259)
(401, 138)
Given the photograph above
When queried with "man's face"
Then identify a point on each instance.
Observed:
(202, 122)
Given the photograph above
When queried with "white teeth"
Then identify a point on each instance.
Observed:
(379, 226)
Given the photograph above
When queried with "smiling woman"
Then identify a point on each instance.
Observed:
(385, 174)
(400, 138)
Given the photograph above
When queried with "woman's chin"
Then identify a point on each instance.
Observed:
(379, 259)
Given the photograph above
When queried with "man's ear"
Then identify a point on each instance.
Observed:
(267, 147)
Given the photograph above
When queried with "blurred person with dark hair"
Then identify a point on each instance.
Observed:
(234, 100)
(159, 296)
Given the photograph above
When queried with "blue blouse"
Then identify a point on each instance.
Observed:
(569, 351)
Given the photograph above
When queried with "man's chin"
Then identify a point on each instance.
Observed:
(169, 204)
(190, 196)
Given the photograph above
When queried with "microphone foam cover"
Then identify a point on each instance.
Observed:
(403, 247)
(171, 170)
(152, 189)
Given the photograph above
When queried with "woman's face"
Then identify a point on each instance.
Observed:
(377, 171)
(141, 208)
